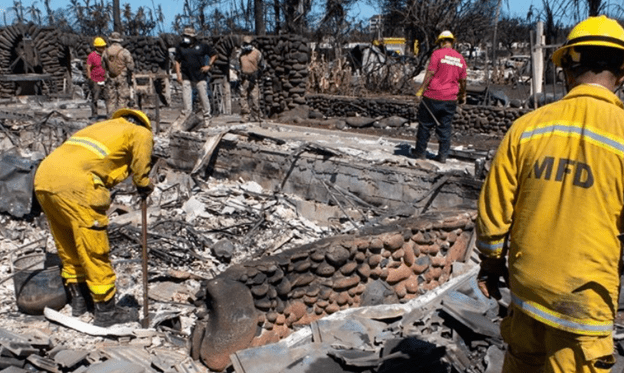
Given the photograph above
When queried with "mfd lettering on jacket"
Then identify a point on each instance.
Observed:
(556, 169)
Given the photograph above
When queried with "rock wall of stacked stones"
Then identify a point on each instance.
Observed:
(284, 79)
(468, 118)
(304, 284)
(149, 53)
(52, 56)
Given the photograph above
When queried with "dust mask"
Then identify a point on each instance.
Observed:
(187, 40)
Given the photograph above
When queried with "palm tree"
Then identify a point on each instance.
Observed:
(49, 12)
(35, 12)
(18, 8)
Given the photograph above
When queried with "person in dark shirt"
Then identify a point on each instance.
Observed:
(192, 72)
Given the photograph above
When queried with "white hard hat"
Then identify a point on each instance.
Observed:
(446, 34)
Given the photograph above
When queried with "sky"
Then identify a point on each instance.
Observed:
(170, 8)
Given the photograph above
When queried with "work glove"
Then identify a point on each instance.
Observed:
(488, 279)
(145, 191)
(462, 99)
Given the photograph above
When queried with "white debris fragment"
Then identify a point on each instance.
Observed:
(193, 209)
(253, 187)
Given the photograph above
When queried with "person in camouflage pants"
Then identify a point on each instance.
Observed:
(119, 66)
(251, 66)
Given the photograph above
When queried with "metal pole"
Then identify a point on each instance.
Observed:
(145, 321)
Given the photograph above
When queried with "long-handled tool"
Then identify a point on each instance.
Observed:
(145, 321)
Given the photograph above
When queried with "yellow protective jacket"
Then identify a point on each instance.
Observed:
(94, 160)
(557, 187)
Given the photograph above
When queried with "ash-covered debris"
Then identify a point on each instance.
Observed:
(188, 225)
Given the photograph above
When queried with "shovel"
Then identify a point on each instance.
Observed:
(145, 321)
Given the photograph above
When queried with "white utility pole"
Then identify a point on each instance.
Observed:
(537, 59)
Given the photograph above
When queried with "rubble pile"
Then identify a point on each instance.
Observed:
(391, 264)
(206, 227)
(28, 48)
(36, 350)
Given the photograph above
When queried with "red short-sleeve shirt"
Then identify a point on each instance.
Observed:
(448, 67)
(97, 71)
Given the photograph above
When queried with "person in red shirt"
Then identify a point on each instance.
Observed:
(444, 83)
(96, 74)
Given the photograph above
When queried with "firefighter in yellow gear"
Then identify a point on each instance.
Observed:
(550, 212)
(72, 185)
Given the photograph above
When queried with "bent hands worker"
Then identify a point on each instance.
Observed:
(72, 185)
(556, 190)
(444, 84)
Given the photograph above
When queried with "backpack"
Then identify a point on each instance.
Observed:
(115, 63)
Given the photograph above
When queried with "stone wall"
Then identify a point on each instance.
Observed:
(468, 118)
(260, 302)
(283, 82)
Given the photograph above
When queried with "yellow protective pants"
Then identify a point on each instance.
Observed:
(536, 347)
(84, 251)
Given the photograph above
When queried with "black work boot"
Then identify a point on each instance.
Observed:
(440, 158)
(108, 313)
(418, 155)
(81, 300)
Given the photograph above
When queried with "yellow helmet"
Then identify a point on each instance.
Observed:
(138, 114)
(445, 35)
(594, 31)
(99, 42)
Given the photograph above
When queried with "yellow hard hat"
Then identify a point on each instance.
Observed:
(135, 113)
(445, 35)
(594, 31)
(99, 42)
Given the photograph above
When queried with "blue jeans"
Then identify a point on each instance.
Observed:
(444, 112)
